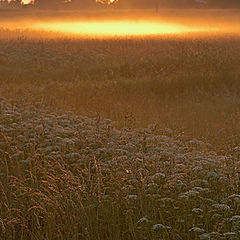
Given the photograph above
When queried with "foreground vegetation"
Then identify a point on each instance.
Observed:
(73, 177)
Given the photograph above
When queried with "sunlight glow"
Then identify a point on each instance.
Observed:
(107, 1)
(117, 28)
(24, 2)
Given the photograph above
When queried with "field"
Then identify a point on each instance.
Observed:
(119, 138)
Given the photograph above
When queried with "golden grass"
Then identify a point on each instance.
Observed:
(189, 85)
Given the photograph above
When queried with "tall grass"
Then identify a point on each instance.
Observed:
(70, 177)
(189, 85)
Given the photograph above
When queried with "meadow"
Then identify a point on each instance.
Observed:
(190, 85)
(119, 138)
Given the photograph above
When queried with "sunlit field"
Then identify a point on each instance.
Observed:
(122, 131)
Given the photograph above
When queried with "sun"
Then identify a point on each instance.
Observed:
(24, 2)
(107, 1)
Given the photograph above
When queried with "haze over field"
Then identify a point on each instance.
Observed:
(123, 23)
(202, 48)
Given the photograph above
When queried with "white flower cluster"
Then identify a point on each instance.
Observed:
(162, 171)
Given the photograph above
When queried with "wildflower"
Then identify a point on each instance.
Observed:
(25, 161)
(235, 218)
(160, 227)
(213, 175)
(201, 190)
(221, 207)
(152, 185)
(180, 185)
(132, 197)
(107, 121)
(51, 149)
(143, 220)
(214, 234)
(188, 194)
(230, 234)
(197, 210)
(197, 230)
(204, 236)
(235, 196)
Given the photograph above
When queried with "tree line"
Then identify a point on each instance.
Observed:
(145, 3)
(78, 4)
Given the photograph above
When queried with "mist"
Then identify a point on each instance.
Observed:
(125, 22)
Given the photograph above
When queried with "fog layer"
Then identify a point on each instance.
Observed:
(122, 22)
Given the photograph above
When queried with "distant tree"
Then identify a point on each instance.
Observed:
(3, 4)
(15, 4)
